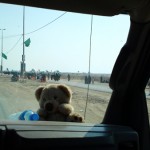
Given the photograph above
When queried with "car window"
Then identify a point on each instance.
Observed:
(41, 46)
(147, 92)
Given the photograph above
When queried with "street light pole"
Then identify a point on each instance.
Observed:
(2, 52)
(23, 55)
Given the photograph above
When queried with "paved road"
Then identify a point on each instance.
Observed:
(104, 87)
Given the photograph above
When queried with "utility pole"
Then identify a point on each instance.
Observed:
(2, 52)
(23, 55)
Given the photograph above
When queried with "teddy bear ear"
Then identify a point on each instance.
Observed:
(66, 90)
(38, 92)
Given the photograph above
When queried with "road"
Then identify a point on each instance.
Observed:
(103, 87)
(16, 96)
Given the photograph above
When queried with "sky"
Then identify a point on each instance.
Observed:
(61, 40)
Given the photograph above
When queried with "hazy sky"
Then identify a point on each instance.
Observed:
(63, 44)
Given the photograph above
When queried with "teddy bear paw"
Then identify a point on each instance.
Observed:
(75, 118)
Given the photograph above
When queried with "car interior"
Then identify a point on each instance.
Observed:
(125, 125)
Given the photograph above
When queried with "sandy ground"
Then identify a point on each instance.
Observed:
(19, 96)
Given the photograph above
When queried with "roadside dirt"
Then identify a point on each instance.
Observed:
(19, 96)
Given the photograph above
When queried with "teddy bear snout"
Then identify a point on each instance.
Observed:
(49, 106)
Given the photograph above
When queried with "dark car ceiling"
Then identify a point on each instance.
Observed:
(139, 10)
(97, 7)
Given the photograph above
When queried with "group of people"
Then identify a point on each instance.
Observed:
(88, 80)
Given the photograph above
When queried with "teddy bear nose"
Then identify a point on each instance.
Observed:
(49, 106)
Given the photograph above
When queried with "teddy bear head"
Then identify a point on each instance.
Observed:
(53, 95)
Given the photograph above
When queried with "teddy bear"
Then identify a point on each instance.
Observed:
(55, 103)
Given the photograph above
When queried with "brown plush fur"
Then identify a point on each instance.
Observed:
(55, 103)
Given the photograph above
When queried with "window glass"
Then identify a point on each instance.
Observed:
(147, 92)
(38, 43)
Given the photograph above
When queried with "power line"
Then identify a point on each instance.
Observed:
(89, 72)
(14, 45)
(47, 23)
(11, 36)
(32, 32)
